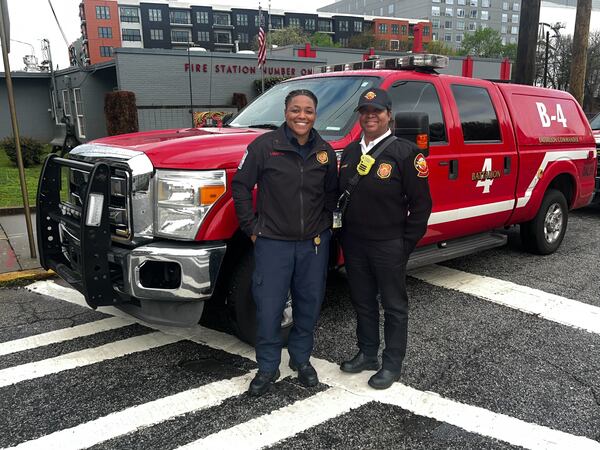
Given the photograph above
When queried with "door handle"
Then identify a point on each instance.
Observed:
(507, 161)
(452, 168)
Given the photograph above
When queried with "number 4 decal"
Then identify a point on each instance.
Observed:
(546, 119)
(484, 181)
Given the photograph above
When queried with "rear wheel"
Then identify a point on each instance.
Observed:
(240, 303)
(544, 234)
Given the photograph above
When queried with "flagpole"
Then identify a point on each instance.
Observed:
(261, 66)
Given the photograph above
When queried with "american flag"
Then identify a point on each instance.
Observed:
(262, 41)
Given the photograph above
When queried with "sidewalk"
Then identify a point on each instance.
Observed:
(15, 257)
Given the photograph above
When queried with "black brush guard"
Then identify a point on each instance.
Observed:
(87, 268)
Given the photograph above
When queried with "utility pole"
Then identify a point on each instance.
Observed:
(5, 43)
(524, 72)
(580, 47)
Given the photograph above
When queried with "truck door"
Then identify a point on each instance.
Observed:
(472, 158)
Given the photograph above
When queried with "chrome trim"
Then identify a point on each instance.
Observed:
(199, 269)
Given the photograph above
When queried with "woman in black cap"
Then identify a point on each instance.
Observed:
(388, 205)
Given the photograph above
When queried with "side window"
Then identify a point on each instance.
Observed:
(419, 96)
(477, 115)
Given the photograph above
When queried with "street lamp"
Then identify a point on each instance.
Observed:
(547, 47)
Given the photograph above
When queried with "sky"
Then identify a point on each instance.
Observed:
(32, 20)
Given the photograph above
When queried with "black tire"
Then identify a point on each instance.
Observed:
(240, 304)
(544, 234)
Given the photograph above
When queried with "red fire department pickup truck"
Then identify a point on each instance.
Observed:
(146, 221)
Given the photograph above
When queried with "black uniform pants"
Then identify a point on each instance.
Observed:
(372, 267)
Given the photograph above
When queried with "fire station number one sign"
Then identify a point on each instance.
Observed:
(546, 119)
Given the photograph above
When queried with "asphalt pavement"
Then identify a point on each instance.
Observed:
(500, 356)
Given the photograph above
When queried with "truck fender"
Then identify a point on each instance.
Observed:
(221, 222)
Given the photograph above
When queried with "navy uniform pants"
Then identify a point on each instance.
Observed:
(372, 267)
(282, 267)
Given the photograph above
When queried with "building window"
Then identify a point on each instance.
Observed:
(358, 26)
(276, 22)
(243, 38)
(425, 31)
(435, 11)
(343, 25)
(448, 24)
(513, 40)
(404, 30)
(105, 32)
(434, 36)
(435, 23)
(221, 19)
(461, 2)
(472, 26)
(460, 25)
(241, 20)
(106, 51)
(155, 15)
(460, 12)
(343, 41)
(503, 40)
(310, 24)
(102, 12)
(449, 12)
(129, 14)
(382, 28)
(156, 35)
(202, 17)
(504, 18)
(294, 22)
(131, 35)
(503, 29)
(485, 3)
(66, 101)
(222, 37)
(435, 1)
(391, 9)
(473, 3)
(473, 14)
(181, 36)
(458, 38)
(325, 26)
(395, 29)
(394, 45)
(477, 115)
(485, 15)
(514, 30)
(516, 7)
(180, 17)
(505, 6)
(204, 36)
(79, 112)
(515, 18)
(448, 37)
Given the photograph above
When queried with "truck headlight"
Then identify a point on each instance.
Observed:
(183, 199)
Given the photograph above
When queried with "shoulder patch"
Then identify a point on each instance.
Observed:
(322, 157)
(421, 166)
(243, 159)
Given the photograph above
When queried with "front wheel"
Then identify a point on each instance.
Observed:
(544, 234)
(240, 303)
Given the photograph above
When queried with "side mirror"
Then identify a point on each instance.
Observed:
(414, 127)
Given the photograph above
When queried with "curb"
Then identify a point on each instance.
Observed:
(14, 210)
(33, 275)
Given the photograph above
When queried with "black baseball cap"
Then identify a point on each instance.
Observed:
(375, 97)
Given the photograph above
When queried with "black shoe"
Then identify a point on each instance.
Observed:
(383, 379)
(307, 375)
(262, 383)
(359, 363)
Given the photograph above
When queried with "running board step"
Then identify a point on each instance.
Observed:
(456, 248)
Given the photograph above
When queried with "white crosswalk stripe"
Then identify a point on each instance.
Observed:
(66, 334)
(350, 390)
(85, 357)
(131, 419)
(525, 299)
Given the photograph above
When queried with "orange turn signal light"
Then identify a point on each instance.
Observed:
(210, 194)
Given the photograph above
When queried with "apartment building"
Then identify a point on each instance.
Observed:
(109, 24)
(450, 20)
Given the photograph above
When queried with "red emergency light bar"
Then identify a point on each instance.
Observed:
(416, 61)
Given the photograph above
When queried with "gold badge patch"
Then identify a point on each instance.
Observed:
(322, 157)
(370, 95)
(384, 171)
(421, 166)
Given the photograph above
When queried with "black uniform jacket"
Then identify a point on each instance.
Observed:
(296, 195)
(396, 185)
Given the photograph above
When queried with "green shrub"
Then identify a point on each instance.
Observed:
(120, 110)
(32, 151)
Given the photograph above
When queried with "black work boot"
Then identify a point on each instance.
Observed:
(383, 379)
(262, 383)
(307, 375)
(359, 363)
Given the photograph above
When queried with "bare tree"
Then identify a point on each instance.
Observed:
(580, 46)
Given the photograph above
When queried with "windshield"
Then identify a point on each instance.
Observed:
(595, 123)
(338, 96)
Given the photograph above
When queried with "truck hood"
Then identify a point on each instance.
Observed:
(190, 148)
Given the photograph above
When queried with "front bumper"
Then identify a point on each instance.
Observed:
(160, 282)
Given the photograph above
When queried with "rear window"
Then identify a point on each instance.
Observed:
(477, 115)
(595, 123)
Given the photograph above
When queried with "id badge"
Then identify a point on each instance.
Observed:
(337, 219)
